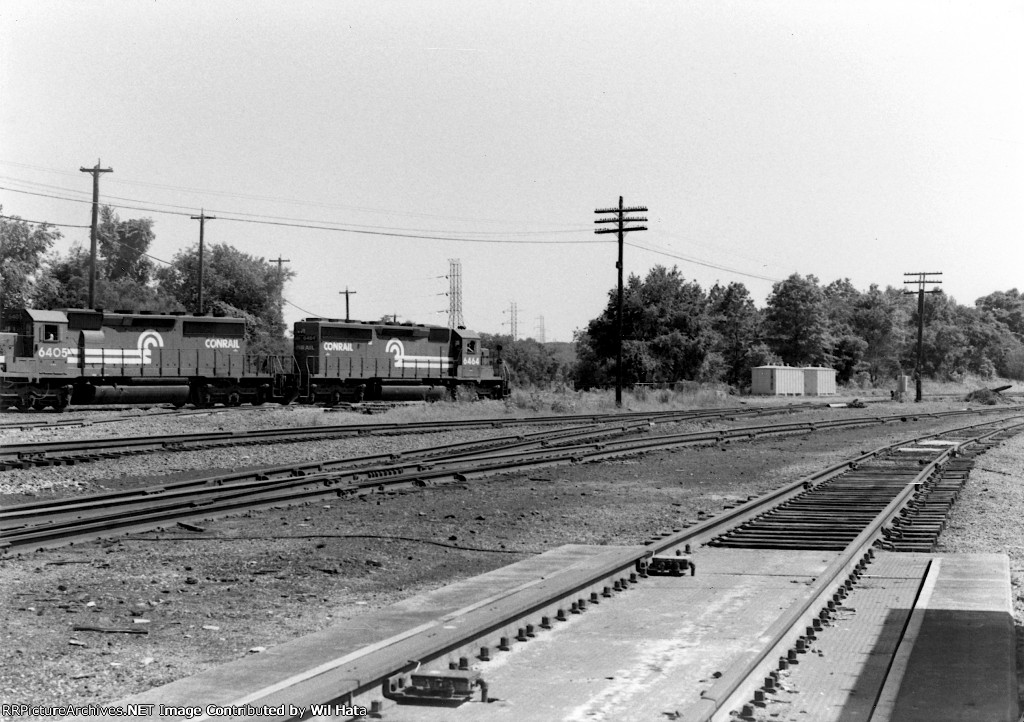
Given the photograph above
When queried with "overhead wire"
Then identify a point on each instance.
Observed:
(318, 204)
(324, 225)
(364, 229)
(708, 264)
(189, 210)
(42, 223)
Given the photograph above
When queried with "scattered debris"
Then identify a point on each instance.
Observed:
(108, 630)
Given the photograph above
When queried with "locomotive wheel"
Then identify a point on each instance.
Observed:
(234, 399)
(335, 398)
(260, 398)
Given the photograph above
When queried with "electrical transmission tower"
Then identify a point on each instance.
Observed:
(921, 279)
(620, 219)
(513, 319)
(540, 329)
(455, 319)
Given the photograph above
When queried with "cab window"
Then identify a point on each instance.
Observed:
(470, 346)
(50, 332)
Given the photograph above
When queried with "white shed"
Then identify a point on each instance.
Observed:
(819, 381)
(777, 381)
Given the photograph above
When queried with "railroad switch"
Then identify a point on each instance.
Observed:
(447, 687)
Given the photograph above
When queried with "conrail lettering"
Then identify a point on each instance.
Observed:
(222, 343)
(337, 346)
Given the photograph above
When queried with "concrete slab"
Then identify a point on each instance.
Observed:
(963, 665)
(261, 679)
(615, 663)
(921, 638)
(840, 676)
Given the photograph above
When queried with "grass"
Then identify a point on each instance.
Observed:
(546, 402)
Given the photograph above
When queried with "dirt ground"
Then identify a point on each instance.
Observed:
(184, 601)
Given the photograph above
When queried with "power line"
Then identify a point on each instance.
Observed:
(190, 209)
(566, 228)
(708, 264)
(311, 313)
(314, 225)
(42, 223)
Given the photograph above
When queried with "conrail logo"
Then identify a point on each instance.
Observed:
(421, 363)
(222, 343)
(148, 340)
(140, 355)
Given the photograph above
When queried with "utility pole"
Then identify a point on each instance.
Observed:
(620, 219)
(921, 279)
(540, 329)
(347, 292)
(455, 293)
(280, 284)
(202, 218)
(95, 222)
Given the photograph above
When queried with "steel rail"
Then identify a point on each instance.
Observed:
(148, 507)
(33, 453)
(364, 670)
(740, 681)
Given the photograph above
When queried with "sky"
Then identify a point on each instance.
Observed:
(369, 143)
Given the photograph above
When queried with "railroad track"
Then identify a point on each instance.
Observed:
(57, 453)
(56, 522)
(76, 421)
(906, 489)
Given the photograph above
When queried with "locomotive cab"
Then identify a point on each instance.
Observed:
(34, 351)
(42, 333)
(476, 367)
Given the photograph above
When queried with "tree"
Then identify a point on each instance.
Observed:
(23, 248)
(530, 363)
(667, 334)
(1007, 307)
(881, 319)
(796, 322)
(234, 283)
(123, 245)
(64, 282)
(737, 323)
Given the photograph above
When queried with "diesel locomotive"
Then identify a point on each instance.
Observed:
(78, 356)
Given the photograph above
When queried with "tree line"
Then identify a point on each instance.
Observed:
(33, 275)
(673, 330)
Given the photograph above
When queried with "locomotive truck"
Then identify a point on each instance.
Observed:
(80, 356)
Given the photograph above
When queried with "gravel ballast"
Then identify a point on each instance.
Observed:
(264, 577)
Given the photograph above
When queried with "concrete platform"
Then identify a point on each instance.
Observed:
(307, 668)
(962, 665)
(921, 638)
(646, 654)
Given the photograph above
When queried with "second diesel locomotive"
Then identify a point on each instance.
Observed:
(76, 356)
